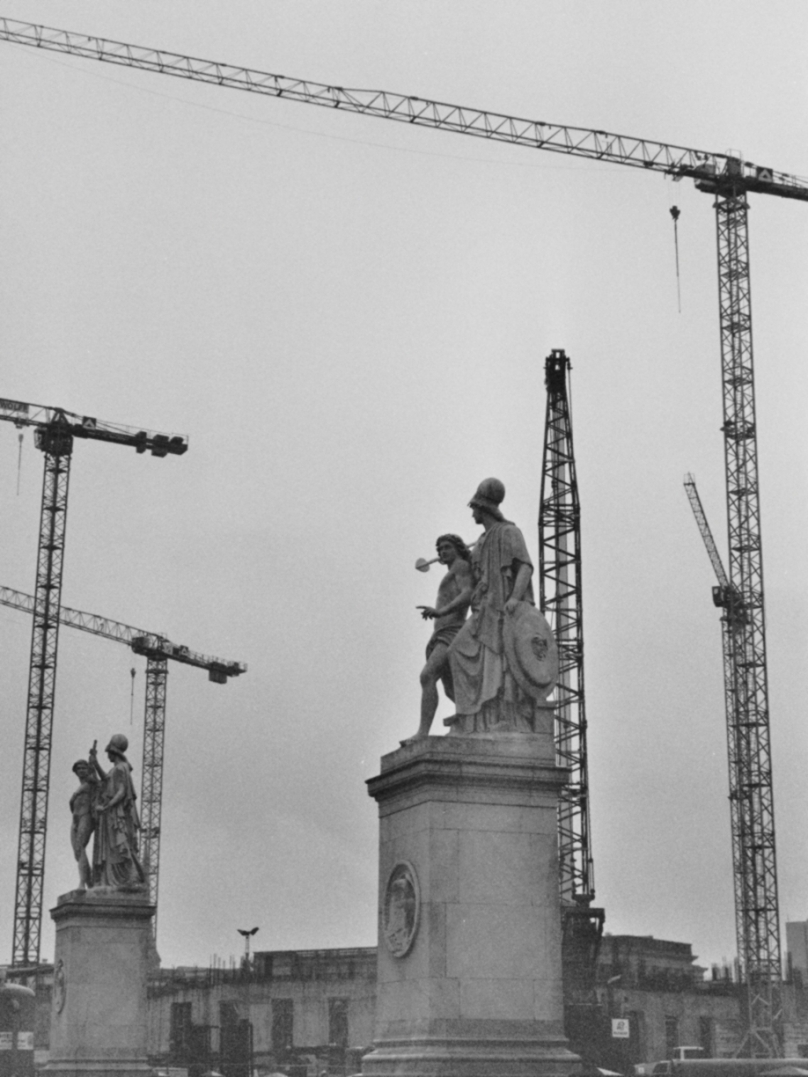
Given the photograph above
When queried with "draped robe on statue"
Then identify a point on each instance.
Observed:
(487, 695)
(115, 853)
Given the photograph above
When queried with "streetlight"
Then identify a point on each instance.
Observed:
(248, 934)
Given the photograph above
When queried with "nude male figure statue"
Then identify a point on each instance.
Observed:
(82, 804)
(449, 614)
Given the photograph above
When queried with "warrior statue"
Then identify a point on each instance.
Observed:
(115, 849)
(504, 659)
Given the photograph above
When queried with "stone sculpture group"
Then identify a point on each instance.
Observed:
(104, 807)
(499, 665)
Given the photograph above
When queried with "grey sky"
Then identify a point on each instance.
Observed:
(349, 318)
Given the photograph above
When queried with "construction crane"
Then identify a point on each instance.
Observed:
(561, 600)
(750, 778)
(724, 176)
(158, 651)
(54, 433)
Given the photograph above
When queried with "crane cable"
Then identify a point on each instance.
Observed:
(675, 213)
(19, 461)
(132, 697)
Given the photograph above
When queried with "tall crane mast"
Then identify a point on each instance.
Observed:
(757, 919)
(726, 177)
(54, 433)
(561, 600)
(158, 651)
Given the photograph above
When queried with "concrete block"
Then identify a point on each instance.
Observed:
(476, 987)
(99, 1014)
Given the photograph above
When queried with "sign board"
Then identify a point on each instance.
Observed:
(25, 1041)
(620, 1028)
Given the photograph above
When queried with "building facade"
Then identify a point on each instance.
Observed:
(303, 1012)
(314, 1010)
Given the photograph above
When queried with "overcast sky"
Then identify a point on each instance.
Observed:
(349, 319)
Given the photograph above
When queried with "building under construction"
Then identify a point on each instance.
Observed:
(305, 1011)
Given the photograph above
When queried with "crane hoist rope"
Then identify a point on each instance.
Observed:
(676, 213)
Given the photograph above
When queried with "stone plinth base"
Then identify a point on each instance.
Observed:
(99, 1017)
(469, 974)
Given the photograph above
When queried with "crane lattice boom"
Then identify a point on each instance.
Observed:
(138, 639)
(86, 426)
(704, 528)
(561, 600)
(672, 160)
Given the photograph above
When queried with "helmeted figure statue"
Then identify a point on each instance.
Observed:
(504, 659)
(115, 849)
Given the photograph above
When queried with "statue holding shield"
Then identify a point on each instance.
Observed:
(116, 863)
(504, 660)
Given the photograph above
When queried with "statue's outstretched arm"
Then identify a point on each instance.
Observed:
(94, 762)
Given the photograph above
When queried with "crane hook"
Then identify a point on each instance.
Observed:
(19, 460)
(675, 212)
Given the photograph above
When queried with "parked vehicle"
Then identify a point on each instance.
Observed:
(729, 1067)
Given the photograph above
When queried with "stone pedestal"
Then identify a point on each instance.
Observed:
(469, 973)
(99, 1018)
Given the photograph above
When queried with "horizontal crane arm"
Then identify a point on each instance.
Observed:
(86, 426)
(141, 642)
(711, 170)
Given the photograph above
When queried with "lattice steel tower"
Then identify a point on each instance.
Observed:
(561, 602)
(757, 921)
(56, 442)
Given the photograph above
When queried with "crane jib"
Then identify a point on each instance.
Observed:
(56, 426)
(662, 157)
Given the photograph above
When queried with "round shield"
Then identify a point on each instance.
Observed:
(531, 650)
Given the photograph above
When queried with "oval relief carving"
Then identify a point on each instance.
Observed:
(402, 908)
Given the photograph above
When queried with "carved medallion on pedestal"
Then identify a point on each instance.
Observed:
(59, 986)
(401, 909)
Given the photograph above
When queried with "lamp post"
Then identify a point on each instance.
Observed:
(248, 934)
